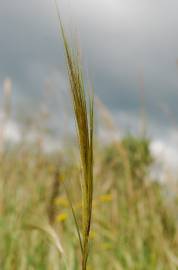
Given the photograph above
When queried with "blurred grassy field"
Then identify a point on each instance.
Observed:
(134, 224)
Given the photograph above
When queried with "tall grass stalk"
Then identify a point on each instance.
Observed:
(84, 125)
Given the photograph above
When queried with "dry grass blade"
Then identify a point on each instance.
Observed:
(50, 232)
(51, 209)
(74, 216)
(85, 137)
(84, 124)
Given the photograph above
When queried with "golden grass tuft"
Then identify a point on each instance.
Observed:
(84, 127)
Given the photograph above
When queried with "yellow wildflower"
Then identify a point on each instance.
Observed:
(105, 198)
(62, 201)
(62, 217)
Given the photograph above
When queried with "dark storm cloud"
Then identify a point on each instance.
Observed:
(30, 48)
(121, 42)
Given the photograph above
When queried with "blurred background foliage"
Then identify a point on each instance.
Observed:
(134, 225)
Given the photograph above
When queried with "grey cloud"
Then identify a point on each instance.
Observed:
(119, 40)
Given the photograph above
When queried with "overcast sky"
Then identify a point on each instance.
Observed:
(122, 43)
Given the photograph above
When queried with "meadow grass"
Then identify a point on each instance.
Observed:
(130, 230)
